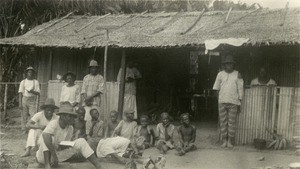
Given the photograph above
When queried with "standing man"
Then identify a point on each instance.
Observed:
(229, 83)
(132, 75)
(29, 89)
(92, 88)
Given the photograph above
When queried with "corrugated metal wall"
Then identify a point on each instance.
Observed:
(54, 90)
(268, 108)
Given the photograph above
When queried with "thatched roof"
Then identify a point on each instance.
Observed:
(164, 29)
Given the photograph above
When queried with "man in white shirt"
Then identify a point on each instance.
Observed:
(29, 89)
(58, 131)
(229, 83)
(38, 123)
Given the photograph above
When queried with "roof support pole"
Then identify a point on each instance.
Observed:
(122, 85)
(51, 63)
(105, 74)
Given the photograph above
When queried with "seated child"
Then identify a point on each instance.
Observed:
(187, 135)
(112, 124)
(94, 129)
(79, 124)
(165, 132)
(144, 135)
(127, 127)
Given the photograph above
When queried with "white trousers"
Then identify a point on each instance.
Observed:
(130, 104)
(80, 146)
(33, 137)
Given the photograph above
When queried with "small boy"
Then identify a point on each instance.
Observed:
(94, 129)
(144, 134)
(165, 132)
(187, 135)
(127, 127)
(79, 124)
(112, 124)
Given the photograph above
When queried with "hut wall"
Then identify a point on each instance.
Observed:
(268, 108)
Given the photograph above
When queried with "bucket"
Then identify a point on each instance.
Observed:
(260, 143)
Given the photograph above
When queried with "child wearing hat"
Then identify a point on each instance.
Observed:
(71, 91)
(56, 145)
(38, 123)
(126, 127)
(229, 85)
(29, 89)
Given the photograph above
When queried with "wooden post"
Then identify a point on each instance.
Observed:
(5, 101)
(51, 63)
(104, 74)
(122, 84)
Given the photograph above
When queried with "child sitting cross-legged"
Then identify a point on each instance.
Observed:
(79, 124)
(126, 127)
(165, 132)
(112, 124)
(187, 135)
(94, 129)
(144, 134)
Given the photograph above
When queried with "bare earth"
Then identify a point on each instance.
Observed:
(208, 156)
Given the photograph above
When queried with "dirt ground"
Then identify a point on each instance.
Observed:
(209, 154)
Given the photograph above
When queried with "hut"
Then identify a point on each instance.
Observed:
(171, 52)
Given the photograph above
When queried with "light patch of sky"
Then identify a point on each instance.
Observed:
(272, 4)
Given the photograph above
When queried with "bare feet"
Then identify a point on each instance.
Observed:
(224, 144)
(229, 145)
(27, 153)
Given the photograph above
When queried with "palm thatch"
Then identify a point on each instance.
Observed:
(138, 30)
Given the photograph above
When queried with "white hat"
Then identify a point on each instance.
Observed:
(93, 63)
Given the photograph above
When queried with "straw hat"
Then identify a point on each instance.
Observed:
(228, 59)
(93, 63)
(29, 68)
(49, 103)
(66, 108)
(69, 73)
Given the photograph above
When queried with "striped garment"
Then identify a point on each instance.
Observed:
(227, 115)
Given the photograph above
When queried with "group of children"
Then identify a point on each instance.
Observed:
(89, 127)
